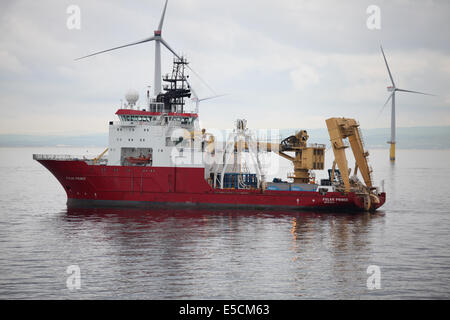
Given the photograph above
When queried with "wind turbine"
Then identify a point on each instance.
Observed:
(391, 97)
(195, 98)
(158, 41)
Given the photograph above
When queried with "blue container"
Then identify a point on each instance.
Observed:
(303, 187)
(231, 180)
(278, 186)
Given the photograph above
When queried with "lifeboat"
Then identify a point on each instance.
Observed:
(139, 160)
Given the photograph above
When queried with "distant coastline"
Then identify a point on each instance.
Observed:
(407, 138)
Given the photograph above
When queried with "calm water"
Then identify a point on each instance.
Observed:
(225, 254)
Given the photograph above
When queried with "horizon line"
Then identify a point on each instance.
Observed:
(47, 134)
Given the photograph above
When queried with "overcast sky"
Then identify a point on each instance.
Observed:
(283, 64)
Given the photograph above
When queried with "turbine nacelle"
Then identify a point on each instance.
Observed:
(390, 88)
(158, 41)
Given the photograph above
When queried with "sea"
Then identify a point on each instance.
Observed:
(402, 251)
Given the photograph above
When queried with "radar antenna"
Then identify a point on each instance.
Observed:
(177, 87)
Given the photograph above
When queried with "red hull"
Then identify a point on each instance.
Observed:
(130, 185)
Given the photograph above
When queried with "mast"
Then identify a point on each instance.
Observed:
(177, 88)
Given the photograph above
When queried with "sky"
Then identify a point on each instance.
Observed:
(282, 64)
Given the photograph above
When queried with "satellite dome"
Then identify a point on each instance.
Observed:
(132, 97)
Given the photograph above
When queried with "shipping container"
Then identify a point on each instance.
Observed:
(278, 186)
(240, 180)
(303, 187)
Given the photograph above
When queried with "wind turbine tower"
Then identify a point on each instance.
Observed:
(158, 41)
(393, 89)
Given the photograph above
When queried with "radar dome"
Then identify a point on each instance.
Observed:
(132, 97)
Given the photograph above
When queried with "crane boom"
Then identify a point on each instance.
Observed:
(342, 128)
(305, 158)
(96, 159)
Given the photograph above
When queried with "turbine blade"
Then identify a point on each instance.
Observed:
(195, 98)
(127, 45)
(387, 66)
(161, 22)
(170, 49)
(189, 67)
(384, 106)
(213, 97)
(427, 94)
(389, 98)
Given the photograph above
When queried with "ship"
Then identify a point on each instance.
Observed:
(158, 155)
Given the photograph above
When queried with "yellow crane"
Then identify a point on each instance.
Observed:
(306, 157)
(343, 128)
(96, 159)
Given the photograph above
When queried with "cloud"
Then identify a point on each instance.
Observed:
(307, 59)
(11, 64)
(304, 76)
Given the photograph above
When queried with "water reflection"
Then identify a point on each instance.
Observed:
(339, 231)
(168, 254)
(334, 249)
(391, 178)
(210, 253)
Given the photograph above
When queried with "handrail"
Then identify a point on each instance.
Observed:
(58, 157)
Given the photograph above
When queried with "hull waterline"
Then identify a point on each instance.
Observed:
(97, 185)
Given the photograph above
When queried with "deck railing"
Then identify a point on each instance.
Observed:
(59, 157)
(65, 157)
(316, 145)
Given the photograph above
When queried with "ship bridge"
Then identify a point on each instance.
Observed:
(148, 136)
(143, 117)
